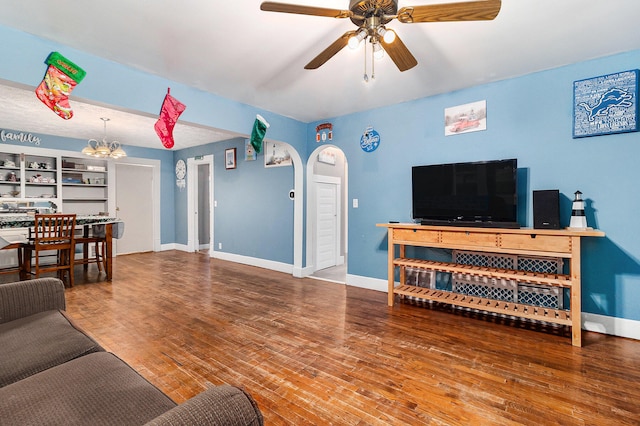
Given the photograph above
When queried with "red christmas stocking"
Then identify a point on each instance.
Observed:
(60, 79)
(169, 113)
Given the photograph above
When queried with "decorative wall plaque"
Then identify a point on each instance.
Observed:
(606, 104)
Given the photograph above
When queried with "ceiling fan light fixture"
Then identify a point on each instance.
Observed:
(354, 40)
(370, 17)
(378, 51)
(389, 36)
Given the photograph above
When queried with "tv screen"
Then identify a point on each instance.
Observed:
(474, 194)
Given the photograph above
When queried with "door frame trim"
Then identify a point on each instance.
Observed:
(311, 213)
(192, 184)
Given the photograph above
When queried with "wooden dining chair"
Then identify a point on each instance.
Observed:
(18, 247)
(87, 239)
(52, 237)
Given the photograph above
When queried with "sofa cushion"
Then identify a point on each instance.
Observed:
(23, 298)
(96, 389)
(37, 342)
(223, 405)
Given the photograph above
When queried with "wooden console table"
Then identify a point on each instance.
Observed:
(563, 243)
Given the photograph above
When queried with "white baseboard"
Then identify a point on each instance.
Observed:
(620, 327)
(173, 246)
(367, 282)
(245, 260)
(253, 261)
(307, 270)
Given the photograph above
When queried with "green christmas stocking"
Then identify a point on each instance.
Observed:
(60, 79)
(260, 127)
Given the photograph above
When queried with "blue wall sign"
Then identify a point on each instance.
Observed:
(606, 104)
(370, 140)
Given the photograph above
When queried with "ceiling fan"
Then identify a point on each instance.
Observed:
(371, 16)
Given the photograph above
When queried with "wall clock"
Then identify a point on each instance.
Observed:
(181, 172)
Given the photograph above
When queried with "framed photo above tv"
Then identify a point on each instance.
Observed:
(466, 118)
(606, 104)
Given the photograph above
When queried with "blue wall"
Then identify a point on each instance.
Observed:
(254, 215)
(529, 118)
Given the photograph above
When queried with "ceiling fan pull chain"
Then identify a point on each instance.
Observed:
(373, 63)
(366, 77)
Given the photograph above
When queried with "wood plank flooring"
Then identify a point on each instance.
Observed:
(319, 353)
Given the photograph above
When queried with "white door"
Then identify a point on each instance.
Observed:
(327, 241)
(134, 205)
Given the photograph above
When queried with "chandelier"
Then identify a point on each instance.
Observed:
(104, 149)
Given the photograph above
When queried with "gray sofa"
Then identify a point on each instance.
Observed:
(52, 373)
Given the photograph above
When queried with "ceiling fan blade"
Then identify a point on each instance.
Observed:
(271, 6)
(330, 51)
(399, 54)
(480, 10)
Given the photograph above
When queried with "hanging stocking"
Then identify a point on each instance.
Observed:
(169, 113)
(60, 79)
(260, 127)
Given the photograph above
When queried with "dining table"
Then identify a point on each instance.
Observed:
(113, 228)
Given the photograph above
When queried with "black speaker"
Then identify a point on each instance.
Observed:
(546, 209)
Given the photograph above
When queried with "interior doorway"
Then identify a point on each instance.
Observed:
(134, 206)
(327, 214)
(328, 191)
(200, 204)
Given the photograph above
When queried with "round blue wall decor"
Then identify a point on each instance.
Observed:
(370, 140)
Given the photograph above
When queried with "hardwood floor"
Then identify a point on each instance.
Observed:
(317, 353)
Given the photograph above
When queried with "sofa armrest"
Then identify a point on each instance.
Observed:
(217, 406)
(23, 298)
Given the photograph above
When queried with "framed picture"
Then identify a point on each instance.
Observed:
(327, 156)
(276, 154)
(606, 104)
(465, 118)
(230, 158)
(249, 153)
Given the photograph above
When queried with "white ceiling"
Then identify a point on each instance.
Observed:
(232, 49)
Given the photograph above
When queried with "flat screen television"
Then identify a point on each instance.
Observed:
(466, 194)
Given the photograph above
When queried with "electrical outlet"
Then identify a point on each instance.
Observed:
(219, 246)
(355, 203)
